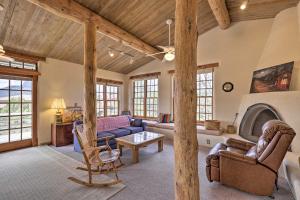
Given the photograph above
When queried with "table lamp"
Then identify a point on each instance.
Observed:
(58, 104)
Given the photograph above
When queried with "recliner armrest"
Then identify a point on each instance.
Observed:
(236, 156)
(231, 142)
(214, 153)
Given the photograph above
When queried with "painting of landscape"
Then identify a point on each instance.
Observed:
(276, 78)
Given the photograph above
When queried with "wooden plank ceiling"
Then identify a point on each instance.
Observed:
(30, 29)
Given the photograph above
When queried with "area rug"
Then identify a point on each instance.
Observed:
(41, 173)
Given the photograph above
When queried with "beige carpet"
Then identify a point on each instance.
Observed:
(41, 173)
(152, 177)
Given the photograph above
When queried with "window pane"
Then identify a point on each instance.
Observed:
(26, 96)
(15, 122)
(4, 138)
(4, 96)
(26, 108)
(15, 84)
(26, 121)
(4, 109)
(26, 85)
(15, 109)
(4, 123)
(15, 96)
(26, 133)
(15, 135)
(16, 64)
(4, 83)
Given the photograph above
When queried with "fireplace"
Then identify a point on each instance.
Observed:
(255, 117)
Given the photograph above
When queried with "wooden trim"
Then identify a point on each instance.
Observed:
(15, 145)
(141, 76)
(18, 72)
(107, 81)
(34, 110)
(72, 10)
(207, 66)
(24, 57)
(220, 12)
(199, 67)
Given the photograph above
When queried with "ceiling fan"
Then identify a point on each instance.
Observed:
(169, 50)
(3, 57)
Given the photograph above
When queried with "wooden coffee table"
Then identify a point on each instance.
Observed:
(139, 140)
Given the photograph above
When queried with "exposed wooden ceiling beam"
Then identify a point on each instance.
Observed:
(24, 57)
(72, 10)
(220, 12)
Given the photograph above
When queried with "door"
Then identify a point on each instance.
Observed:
(16, 94)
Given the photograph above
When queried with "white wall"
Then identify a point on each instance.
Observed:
(63, 79)
(237, 49)
(283, 45)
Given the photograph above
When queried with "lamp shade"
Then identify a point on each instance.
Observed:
(58, 103)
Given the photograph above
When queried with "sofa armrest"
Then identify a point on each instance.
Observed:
(237, 157)
(239, 144)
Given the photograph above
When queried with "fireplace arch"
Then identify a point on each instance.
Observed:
(253, 120)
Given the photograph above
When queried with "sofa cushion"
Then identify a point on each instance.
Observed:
(105, 134)
(137, 122)
(120, 132)
(112, 123)
(134, 129)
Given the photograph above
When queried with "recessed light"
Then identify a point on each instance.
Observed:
(111, 53)
(244, 5)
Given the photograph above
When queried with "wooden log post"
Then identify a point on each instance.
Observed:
(185, 138)
(90, 69)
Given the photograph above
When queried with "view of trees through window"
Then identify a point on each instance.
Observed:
(15, 109)
(107, 97)
(146, 98)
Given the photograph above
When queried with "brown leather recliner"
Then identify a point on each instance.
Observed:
(251, 167)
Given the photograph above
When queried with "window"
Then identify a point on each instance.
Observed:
(107, 97)
(15, 109)
(145, 101)
(205, 96)
(19, 65)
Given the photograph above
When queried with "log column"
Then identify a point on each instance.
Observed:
(90, 69)
(185, 138)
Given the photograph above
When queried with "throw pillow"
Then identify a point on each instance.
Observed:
(160, 118)
(137, 122)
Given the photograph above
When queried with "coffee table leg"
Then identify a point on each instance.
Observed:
(160, 145)
(135, 154)
(120, 148)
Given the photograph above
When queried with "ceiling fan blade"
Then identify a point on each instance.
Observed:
(155, 54)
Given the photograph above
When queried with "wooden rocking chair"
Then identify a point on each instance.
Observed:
(98, 160)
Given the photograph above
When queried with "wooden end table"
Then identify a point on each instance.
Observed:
(139, 140)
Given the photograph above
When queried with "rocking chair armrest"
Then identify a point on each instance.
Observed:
(106, 138)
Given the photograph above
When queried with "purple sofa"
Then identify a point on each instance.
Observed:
(113, 127)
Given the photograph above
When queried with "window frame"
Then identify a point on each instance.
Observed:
(105, 99)
(145, 98)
